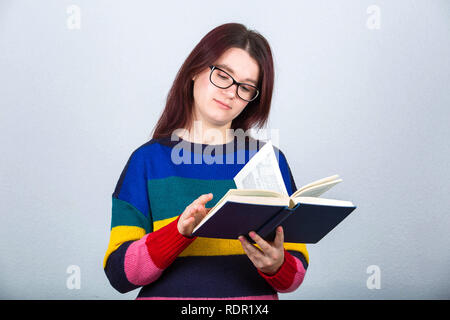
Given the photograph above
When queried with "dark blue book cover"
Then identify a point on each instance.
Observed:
(234, 219)
(308, 223)
(304, 223)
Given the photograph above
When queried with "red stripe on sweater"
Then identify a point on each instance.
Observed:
(165, 244)
(284, 277)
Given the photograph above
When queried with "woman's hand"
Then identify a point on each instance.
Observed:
(271, 258)
(193, 214)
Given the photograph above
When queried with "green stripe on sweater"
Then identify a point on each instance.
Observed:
(124, 214)
(170, 196)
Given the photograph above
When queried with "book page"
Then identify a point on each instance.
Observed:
(262, 172)
(319, 182)
(256, 193)
(323, 202)
(315, 190)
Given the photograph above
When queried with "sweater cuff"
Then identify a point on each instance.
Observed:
(284, 277)
(165, 244)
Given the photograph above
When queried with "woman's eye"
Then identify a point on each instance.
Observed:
(223, 77)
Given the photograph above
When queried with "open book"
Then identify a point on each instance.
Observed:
(305, 217)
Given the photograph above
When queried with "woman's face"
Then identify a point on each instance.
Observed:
(207, 97)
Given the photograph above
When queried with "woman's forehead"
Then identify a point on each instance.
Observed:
(239, 64)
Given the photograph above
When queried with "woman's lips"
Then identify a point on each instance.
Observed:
(223, 105)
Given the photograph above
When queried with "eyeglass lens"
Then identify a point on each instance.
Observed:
(223, 81)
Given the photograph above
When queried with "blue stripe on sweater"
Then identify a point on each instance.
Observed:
(115, 269)
(158, 162)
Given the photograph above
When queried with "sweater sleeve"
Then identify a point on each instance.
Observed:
(136, 255)
(290, 275)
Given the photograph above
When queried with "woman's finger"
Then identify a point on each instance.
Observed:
(279, 238)
(203, 199)
(188, 221)
(250, 249)
(199, 212)
(190, 210)
(263, 244)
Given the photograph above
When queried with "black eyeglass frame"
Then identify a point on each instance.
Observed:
(212, 67)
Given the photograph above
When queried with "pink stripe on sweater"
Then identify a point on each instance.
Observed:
(139, 267)
(298, 279)
(266, 297)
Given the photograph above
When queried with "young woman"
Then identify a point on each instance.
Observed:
(225, 84)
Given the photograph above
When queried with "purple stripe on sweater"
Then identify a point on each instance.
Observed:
(139, 267)
(298, 279)
(265, 297)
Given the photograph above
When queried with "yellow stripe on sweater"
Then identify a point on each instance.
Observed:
(219, 247)
(119, 235)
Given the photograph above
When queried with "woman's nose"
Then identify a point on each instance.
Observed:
(230, 91)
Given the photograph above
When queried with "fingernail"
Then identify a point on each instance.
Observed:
(252, 234)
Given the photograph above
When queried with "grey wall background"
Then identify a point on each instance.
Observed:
(368, 104)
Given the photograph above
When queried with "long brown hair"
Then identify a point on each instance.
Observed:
(178, 110)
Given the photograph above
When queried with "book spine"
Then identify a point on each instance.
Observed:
(267, 231)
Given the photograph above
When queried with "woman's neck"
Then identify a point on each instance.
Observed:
(206, 134)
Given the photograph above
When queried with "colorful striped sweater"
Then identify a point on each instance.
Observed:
(146, 250)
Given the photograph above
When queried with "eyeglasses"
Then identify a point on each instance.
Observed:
(223, 80)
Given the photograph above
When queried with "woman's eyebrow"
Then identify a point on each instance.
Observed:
(227, 68)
